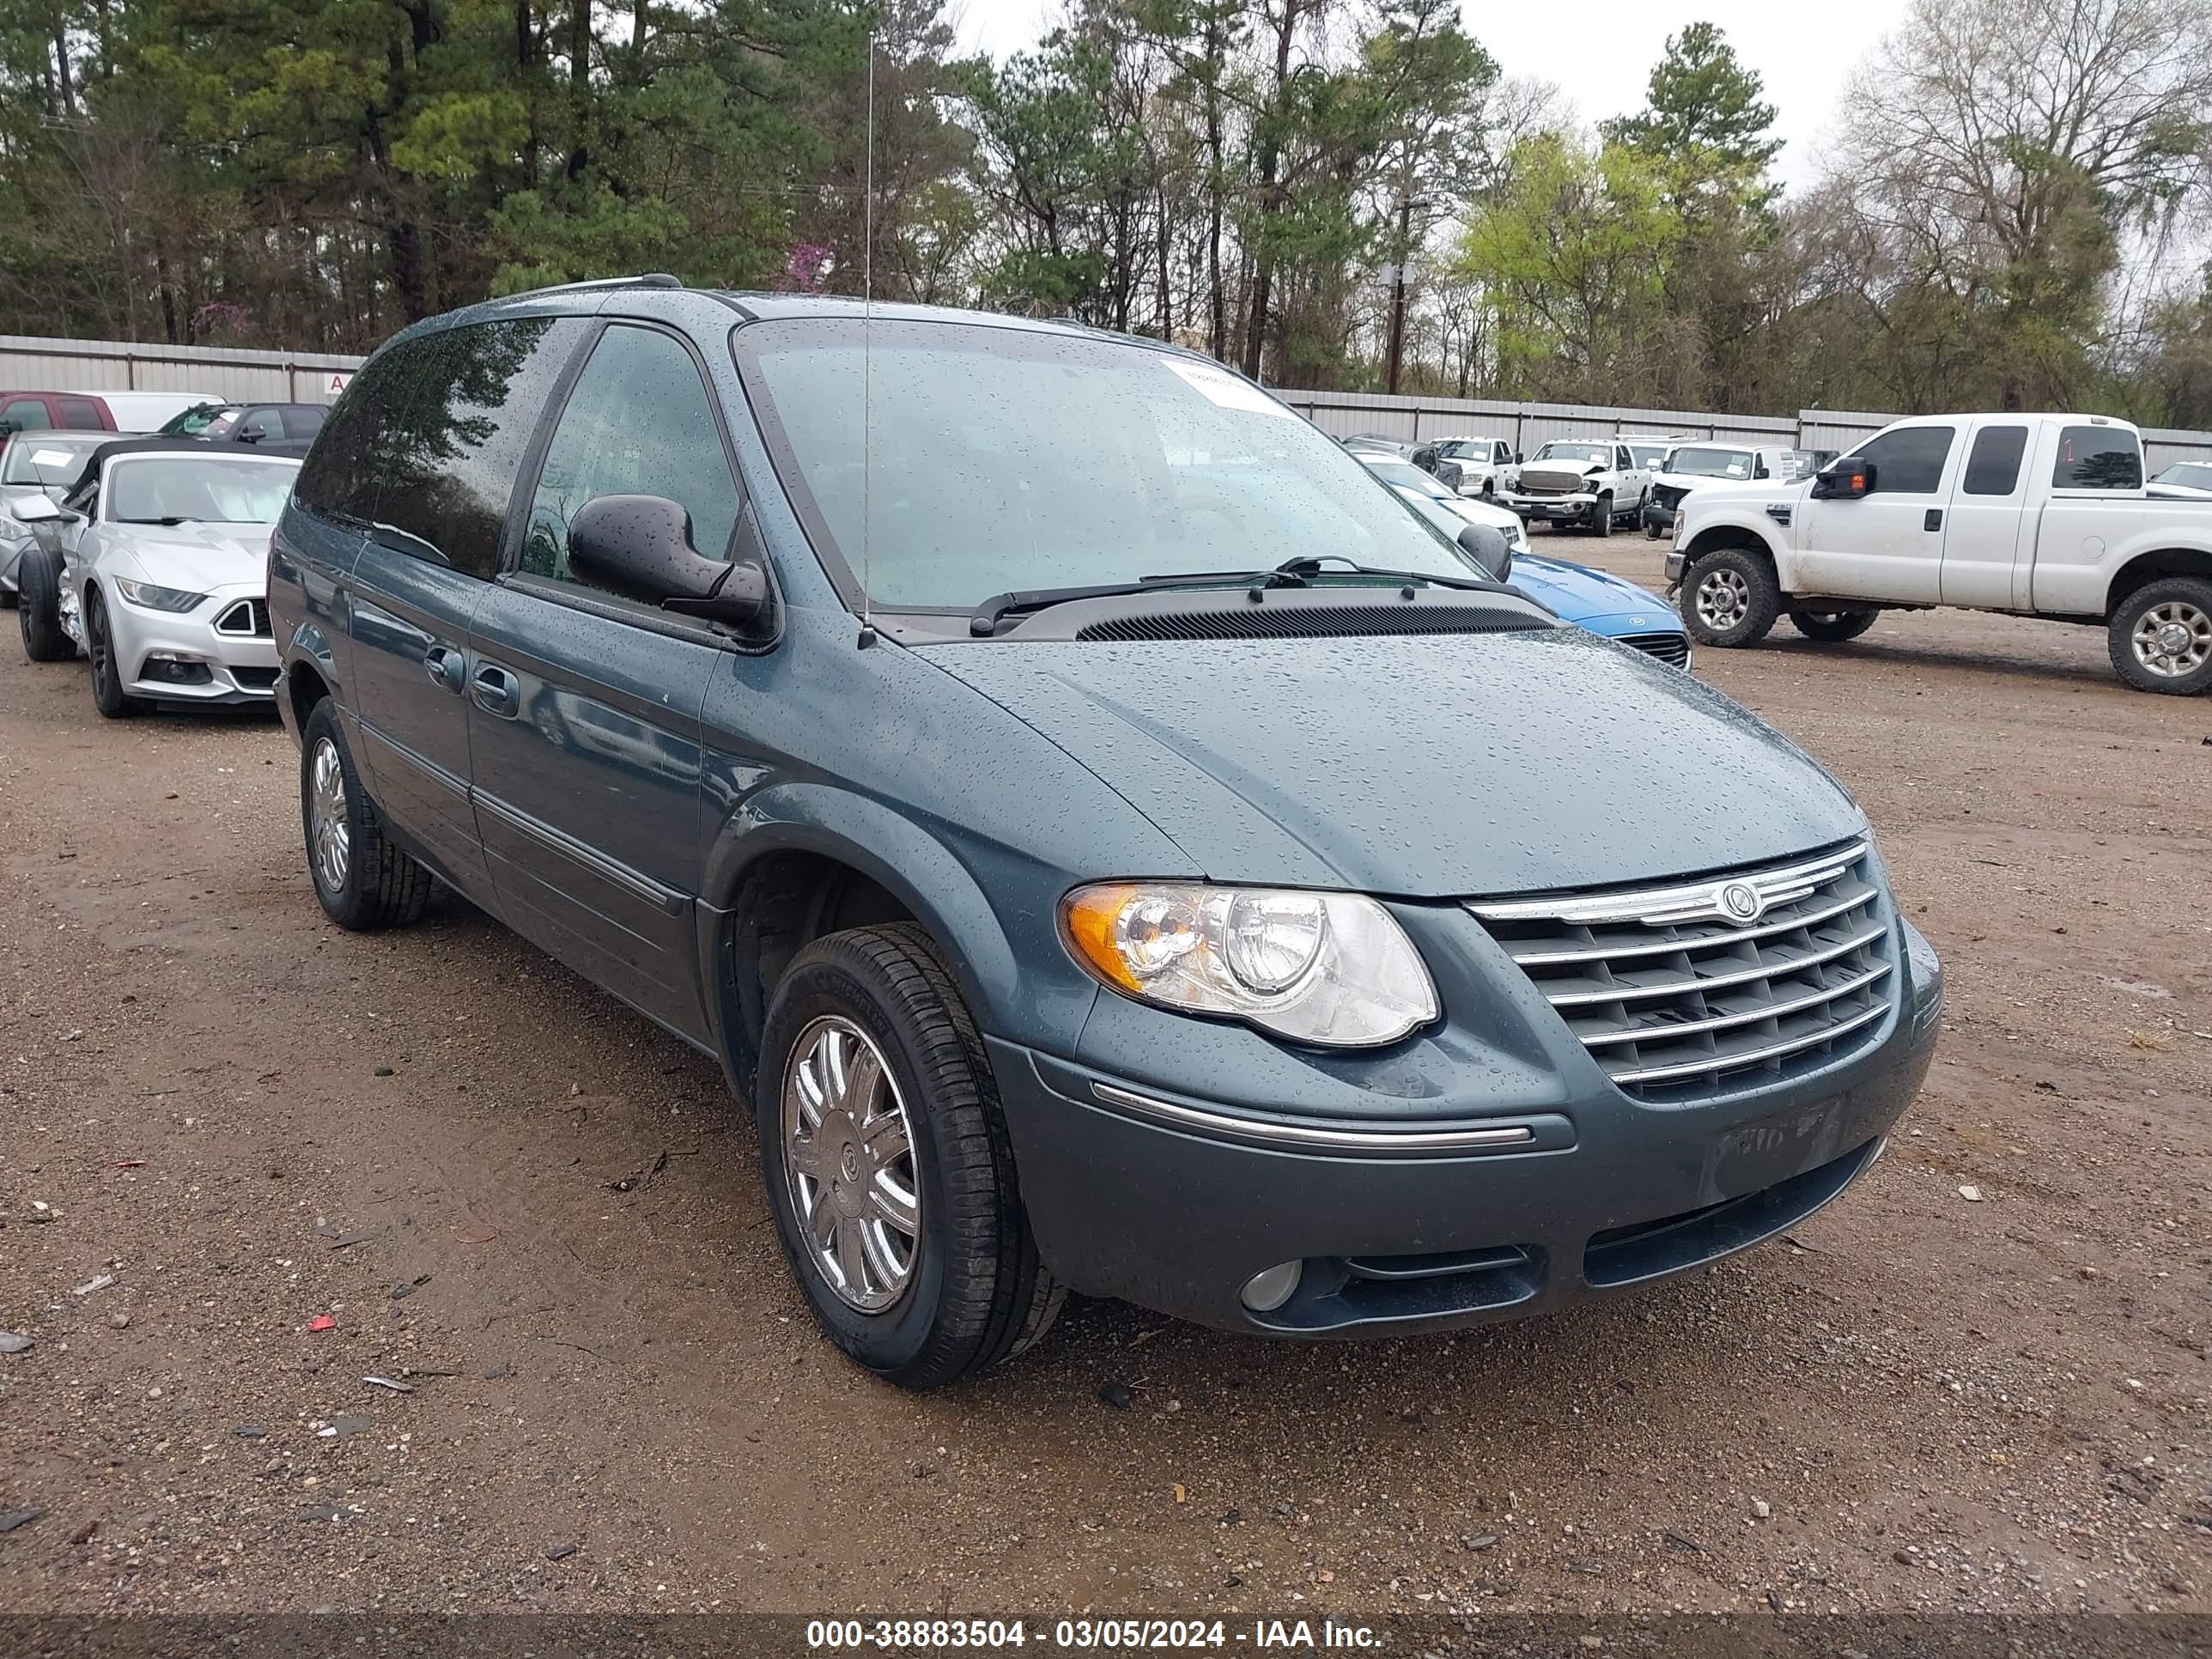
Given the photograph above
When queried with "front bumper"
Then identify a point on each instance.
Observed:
(1674, 561)
(1175, 1204)
(187, 659)
(1659, 517)
(1553, 509)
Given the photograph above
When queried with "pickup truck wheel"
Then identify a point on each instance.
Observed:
(39, 617)
(1600, 522)
(363, 881)
(888, 1165)
(1832, 627)
(2162, 637)
(1730, 597)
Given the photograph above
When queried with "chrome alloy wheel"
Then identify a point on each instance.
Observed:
(848, 1164)
(328, 837)
(2172, 639)
(1723, 599)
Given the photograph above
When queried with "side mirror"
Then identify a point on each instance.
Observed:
(639, 547)
(250, 436)
(38, 509)
(1487, 545)
(1846, 480)
(1517, 458)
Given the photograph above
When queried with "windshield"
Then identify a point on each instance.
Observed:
(1711, 463)
(1560, 450)
(1467, 449)
(2196, 475)
(212, 419)
(1648, 455)
(152, 489)
(1007, 459)
(39, 459)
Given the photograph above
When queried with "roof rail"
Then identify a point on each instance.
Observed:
(646, 279)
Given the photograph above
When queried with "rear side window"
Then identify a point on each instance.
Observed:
(1993, 464)
(459, 449)
(1910, 460)
(2098, 458)
(639, 423)
(347, 472)
(82, 414)
(25, 414)
(304, 419)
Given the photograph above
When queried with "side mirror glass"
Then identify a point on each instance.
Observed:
(1487, 545)
(639, 547)
(1517, 458)
(1844, 480)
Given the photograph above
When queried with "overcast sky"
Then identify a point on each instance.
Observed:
(1601, 50)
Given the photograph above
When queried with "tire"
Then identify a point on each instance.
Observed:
(1730, 597)
(1651, 531)
(108, 693)
(364, 882)
(1833, 627)
(971, 1291)
(2162, 637)
(1600, 522)
(39, 618)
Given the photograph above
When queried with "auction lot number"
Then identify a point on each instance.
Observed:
(1107, 1634)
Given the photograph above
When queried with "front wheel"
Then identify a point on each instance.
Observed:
(1832, 627)
(108, 693)
(1730, 597)
(2161, 637)
(1601, 516)
(364, 882)
(888, 1165)
(39, 617)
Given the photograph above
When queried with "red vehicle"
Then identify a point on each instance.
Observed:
(30, 411)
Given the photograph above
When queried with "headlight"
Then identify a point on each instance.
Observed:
(1330, 969)
(146, 594)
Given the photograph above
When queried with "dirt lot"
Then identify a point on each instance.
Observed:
(456, 1149)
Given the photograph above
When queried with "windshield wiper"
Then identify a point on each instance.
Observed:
(1292, 573)
(171, 521)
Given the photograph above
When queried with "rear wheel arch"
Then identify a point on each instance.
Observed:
(2147, 568)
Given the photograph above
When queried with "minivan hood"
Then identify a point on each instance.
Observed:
(1451, 766)
(197, 557)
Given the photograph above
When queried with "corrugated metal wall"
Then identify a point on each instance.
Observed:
(30, 364)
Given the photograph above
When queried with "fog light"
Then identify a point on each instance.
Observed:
(1267, 1290)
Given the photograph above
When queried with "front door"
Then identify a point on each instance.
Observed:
(585, 707)
(473, 400)
(1887, 544)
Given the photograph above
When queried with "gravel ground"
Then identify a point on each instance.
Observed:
(543, 1216)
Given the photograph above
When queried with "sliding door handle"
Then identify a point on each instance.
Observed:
(496, 691)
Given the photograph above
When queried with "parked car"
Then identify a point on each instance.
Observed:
(34, 411)
(2039, 515)
(35, 464)
(1595, 600)
(158, 571)
(1481, 462)
(251, 424)
(2183, 481)
(147, 412)
(1594, 483)
(1426, 456)
(1178, 877)
(1695, 466)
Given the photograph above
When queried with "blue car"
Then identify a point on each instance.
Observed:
(1592, 599)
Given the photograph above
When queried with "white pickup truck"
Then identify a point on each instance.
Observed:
(1592, 482)
(2035, 515)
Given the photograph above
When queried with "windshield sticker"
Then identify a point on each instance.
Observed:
(1218, 386)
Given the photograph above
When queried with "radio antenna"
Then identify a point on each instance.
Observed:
(867, 361)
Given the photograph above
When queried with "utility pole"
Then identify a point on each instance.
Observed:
(1397, 352)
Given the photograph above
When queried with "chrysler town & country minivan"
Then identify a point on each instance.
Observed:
(1110, 840)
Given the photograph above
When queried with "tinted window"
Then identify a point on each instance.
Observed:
(82, 413)
(638, 423)
(457, 447)
(259, 424)
(304, 419)
(29, 413)
(2098, 458)
(346, 472)
(1910, 460)
(1993, 465)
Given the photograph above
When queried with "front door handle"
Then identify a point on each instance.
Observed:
(446, 666)
(1934, 520)
(496, 691)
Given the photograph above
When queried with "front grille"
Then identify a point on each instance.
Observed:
(1550, 484)
(1313, 621)
(245, 619)
(1677, 990)
(1673, 648)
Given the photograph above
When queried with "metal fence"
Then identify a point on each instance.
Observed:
(29, 364)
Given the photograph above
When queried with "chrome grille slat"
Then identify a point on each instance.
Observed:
(1679, 991)
(1628, 989)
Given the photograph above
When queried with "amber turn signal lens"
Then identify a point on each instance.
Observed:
(1090, 915)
